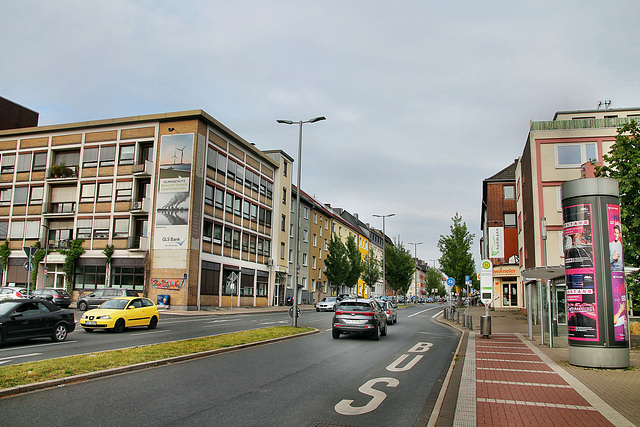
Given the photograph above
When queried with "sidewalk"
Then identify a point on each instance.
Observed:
(508, 379)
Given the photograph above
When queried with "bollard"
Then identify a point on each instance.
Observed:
(470, 322)
(485, 326)
(464, 318)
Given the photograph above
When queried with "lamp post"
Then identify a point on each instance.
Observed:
(384, 250)
(294, 317)
(415, 253)
(46, 255)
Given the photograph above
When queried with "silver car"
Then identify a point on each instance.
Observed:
(327, 304)
(390, 309)
(97, 297)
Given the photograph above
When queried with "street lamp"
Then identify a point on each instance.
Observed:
(46, 255)
(384, 250)
(294, 317)
(415, 253)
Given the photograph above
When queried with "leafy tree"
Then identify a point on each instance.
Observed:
(336, 264)
(371, 271)
(355, 262)
(623, 164)
(433, 280)
(400, 268)
(456, 260)
(4, 258)
(71, 257)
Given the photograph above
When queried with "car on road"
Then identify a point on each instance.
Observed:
(97, 297)
(58, 296)
(120, 313)
(10, 292)
(25, 318)
(327, 304)
(361, 317)
(390, 310)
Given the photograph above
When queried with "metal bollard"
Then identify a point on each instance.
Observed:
(464, 318)
(470, 322)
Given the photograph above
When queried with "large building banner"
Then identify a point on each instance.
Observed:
(618, 286)
(173, 198)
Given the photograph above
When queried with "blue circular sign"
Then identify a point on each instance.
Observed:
(451, 281)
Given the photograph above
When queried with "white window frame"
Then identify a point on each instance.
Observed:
(583, 154)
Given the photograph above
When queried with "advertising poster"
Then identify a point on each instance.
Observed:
(582, 304)
(496, 242)
(173, 198)
(618, 286)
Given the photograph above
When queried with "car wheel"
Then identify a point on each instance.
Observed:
(153, 323)
(317, 309)
(59, 333)
(82, 305)
(119, 326)
(384, 331)
(376, 333)
(335, 334)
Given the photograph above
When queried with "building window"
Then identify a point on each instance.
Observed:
(284, 168)
(101, 228)
(209, 190)
(8, 163)
(17, 230)
(212, 156)
(231, 169)
(227, 237)
(235, 243)
(32, 230)
(127, 153)
(221, 164)
(282, 250)
(36, 195)
(104, 191)
(219, 199)
(509, 219)
(90, 157)
(229, 203)
(123, 191)
(575, 155)
(284, 196)
(254, 212)
(121, 228)
(210, 278)
(283, 222)
(87, 193)
(4, 229)
(207, 230)
(39, 161)
(509, 192)
(90, 276)
(237, 203)
(84, 228)
(217, 234)
(24, 162)
(20, 196)
(127, 277)
(108, 155)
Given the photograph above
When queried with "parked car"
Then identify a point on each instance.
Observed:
(97, 297)
(359, 316)
(390, 310)
(327, 304)
(24, 318)
(120, 313)
(10, 292)
(58, 296)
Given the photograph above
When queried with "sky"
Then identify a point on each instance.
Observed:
(423, 99)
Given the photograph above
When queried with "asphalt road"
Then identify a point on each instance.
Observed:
(308, 381)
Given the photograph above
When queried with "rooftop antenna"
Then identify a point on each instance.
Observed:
(606, 104)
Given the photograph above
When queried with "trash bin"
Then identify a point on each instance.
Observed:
(485, 326)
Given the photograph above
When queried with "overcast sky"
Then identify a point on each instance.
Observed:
(423, 99)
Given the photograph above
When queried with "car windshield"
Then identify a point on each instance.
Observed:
(115, 304)
(8, 307)
(355, 306)
(328, 299)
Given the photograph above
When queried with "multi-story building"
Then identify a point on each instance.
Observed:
(376, 247)
(187, 205)
(305, 292)
(556, 151)
(361, 237)
(500, 237)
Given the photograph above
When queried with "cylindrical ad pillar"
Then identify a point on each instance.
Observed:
(597, 318)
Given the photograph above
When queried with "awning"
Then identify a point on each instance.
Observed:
(549, 272)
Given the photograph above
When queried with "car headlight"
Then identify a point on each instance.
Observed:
(104, 316)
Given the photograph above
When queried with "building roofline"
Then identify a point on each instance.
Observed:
(595, 110)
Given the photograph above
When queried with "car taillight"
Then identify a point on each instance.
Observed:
(339, 313)
(369, 314)
(388, 311)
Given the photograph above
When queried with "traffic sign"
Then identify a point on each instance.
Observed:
(451, 281)
(486, 282)
(30, 251)
(28, 266)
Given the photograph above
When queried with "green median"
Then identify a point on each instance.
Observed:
(52, 369)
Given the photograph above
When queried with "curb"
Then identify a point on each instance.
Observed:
(60, 382)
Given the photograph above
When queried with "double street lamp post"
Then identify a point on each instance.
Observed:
(415, 254)
(384, 247)
(294, 317)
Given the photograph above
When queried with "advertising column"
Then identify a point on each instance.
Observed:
(598, 331)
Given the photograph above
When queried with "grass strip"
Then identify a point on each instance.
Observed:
(50, 369)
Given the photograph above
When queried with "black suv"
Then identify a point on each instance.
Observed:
(99, 296)
(359, 316)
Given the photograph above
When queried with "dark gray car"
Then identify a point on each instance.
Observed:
(359, 316)
(58, 296)
(97, 297)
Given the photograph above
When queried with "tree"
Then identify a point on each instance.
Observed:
(71, 257)
(355, 262)
(456, 260)
(434, 281)
(371, 271)
(4, 258)
(400, 268)
(623, 164)
(336, 264)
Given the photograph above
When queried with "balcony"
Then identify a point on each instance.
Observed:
(60, 244)
(143, 169)
(62, 173)
(59, 209)
(142, 206)
(137, 243)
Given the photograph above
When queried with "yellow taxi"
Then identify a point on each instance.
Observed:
(120, 313)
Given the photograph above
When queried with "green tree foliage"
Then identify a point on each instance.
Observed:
(355, 262)
(433, 280)
(456, 260)
(71, 257)
(623, 164)
(336, 264)
(371, 271)
(4, 257)
(400, 268)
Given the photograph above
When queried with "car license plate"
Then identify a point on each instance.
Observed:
(90, 323)
(354, 321)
